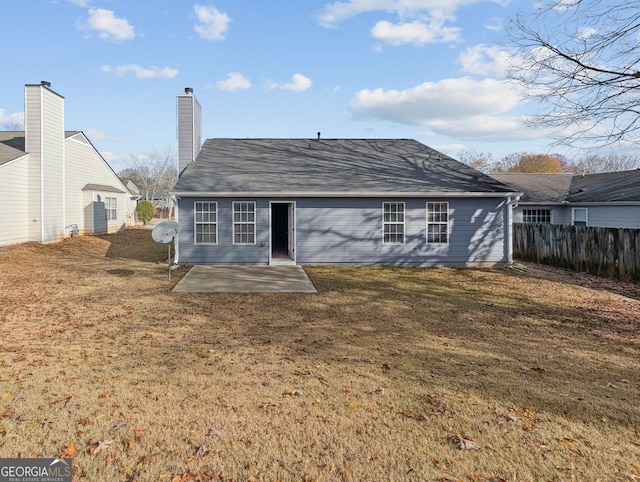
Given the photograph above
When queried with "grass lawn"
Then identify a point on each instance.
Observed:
(384, 374)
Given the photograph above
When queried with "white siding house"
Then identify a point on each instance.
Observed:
(54, 182)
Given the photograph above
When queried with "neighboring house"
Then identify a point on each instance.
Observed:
(333, 201)
(54, 182)
(608, 200)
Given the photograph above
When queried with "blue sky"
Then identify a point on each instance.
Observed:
(430, 70)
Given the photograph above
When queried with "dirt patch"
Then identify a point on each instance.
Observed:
(384, 374)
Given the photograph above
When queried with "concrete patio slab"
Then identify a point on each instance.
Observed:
(245, 279)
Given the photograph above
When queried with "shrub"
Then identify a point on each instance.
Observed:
(145, 211)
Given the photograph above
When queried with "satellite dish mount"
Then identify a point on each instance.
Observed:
(165, 233)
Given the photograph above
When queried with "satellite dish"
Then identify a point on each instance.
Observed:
(165, 232)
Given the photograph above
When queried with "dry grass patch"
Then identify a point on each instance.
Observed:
(385, 374)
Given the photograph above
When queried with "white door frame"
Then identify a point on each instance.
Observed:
(291, 233)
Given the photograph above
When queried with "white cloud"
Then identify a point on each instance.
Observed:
(461, 108)
(12, 119)
(97, 135)
(416, 32)
(445, 99)
(80, 3)
(141, 72)
(336, 12)
(212, 24)
(495, 24)
(233, 82)
(486, 128)
(108, 26)
(586, 33)
(299, 83)
(483, 60)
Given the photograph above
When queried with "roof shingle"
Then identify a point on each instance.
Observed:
(358, 166)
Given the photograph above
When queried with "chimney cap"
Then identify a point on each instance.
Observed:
(44, 83)
(188, 90)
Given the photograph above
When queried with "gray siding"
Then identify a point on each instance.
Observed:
(612, 216)
(349, 231)
(225, 252)
(189, 129)
(598, 216)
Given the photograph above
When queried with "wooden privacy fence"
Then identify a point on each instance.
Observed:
(610, 252)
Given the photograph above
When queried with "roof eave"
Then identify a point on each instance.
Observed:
(345, 194)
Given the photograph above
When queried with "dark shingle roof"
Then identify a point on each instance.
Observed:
(329, 166)
(538, 188)
(622, 186)
(11, 145)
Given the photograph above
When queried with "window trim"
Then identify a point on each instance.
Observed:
(244, 223)
(447, 223)
(195, 222)
(537, 216)
(110, 213)
(573, 216)
(403, 223)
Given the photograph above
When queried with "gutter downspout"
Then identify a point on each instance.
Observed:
(511, 202)
(176, 243)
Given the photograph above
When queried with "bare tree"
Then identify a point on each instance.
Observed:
(12, 126)
(481, 161)
(595, 163)
(579, 60)
(154, 175)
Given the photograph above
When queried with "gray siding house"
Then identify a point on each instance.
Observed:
(606, 200)
(335, 201)
(54, 181)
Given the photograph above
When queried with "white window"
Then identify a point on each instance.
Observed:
(206, 222)
(111, 208)
(437, 222)
(536, 216)
(244, 222)
(579, 216)
(393, 223)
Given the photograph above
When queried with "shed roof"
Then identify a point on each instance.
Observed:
(101, 187)
(328, 167)
(539, 188)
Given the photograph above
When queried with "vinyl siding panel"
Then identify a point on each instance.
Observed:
(613, 216)
(53, 167)
(86, 166)
(189, 129)
(33, 144)
(598, 216)
(14, 208)
(225, 252)
(349, 231)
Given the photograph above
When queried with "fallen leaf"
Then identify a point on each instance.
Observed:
(70, 451)
(130, 444)
(463, 443)
(213, 432)
(202, 451)
(101, 445)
